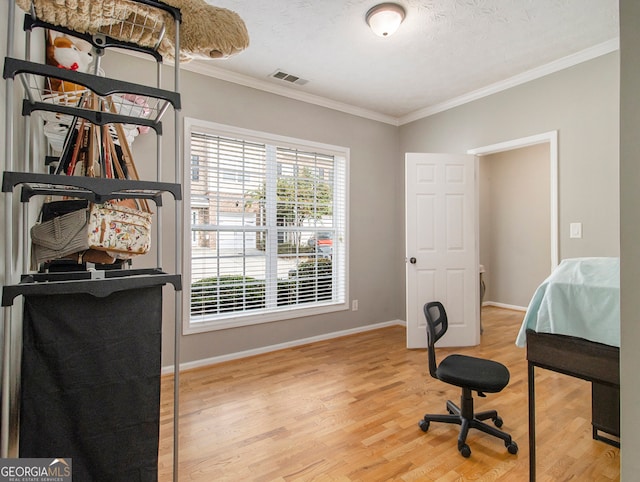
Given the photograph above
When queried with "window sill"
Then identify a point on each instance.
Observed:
(247, 319)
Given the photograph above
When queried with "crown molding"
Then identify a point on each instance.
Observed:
(206, 68)
(550, 68)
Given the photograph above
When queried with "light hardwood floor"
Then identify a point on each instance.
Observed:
(348, 409)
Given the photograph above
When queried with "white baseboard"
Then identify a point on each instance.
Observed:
(504, 305)
(280, 346)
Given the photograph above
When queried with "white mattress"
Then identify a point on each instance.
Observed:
(580, 298)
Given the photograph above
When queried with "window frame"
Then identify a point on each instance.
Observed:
(285, 312)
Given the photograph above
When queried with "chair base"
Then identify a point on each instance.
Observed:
(467, 419)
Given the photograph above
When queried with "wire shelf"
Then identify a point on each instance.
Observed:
(65, 91)
(138, 24)
(55, 91)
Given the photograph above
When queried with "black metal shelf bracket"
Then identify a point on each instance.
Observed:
(94, 189)
(96, 283)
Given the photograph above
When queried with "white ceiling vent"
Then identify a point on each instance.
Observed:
(286, 77)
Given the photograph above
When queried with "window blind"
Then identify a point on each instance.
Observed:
(267, 228)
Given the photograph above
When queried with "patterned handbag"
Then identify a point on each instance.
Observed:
(119, 230)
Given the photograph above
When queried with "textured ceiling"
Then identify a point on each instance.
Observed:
(444, 49)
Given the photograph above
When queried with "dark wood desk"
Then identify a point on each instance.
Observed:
(577, 357)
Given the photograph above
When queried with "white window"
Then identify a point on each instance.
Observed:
(269, 238)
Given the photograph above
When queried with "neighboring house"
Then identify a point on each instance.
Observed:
(239, 203)
(230, 210)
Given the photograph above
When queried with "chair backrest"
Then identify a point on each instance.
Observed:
(437, 325)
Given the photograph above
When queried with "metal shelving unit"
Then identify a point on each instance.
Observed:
(119, 103)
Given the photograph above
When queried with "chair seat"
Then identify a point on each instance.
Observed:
(477, 374)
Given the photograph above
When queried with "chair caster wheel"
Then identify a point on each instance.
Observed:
(512, 447)
(498, 422)
(465, 451)
(424, 425)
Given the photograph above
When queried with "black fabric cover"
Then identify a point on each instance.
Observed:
(91, 382)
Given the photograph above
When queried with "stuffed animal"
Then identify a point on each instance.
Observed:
(208, 32)
(64, 52)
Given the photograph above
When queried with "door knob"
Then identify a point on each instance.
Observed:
(412, 260)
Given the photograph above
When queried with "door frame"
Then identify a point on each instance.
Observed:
(551, 138)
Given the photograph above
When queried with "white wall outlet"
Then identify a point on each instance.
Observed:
(575, 230)
(354, 305)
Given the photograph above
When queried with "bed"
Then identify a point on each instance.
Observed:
(572, 326)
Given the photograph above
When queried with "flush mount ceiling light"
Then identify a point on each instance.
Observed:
(384, 19)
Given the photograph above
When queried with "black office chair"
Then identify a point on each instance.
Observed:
(469, 373)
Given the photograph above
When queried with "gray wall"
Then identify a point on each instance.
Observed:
(376, 255)
(629, 235)
(582, 104)
(515, 232)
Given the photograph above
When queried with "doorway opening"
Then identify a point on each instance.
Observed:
(518, 217)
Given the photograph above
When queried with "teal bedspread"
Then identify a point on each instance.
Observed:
(580, 298)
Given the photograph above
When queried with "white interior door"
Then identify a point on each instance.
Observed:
(442, 245)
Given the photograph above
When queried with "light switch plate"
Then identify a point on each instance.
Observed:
(575, 230)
